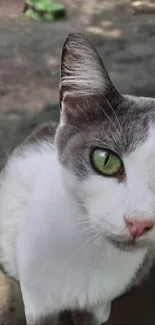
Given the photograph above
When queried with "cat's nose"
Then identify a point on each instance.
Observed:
(138, 227)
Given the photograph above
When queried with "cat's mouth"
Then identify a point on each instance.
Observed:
(130, 244)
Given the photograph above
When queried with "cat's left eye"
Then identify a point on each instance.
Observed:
(106, 162)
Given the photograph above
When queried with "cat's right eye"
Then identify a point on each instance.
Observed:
(106, 162)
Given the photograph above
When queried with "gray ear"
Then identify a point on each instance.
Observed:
(83, 77)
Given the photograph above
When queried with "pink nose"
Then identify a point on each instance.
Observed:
(136, 227)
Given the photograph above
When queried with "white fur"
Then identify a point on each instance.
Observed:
(44, 242)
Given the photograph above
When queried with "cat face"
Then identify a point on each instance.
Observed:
(106, 145)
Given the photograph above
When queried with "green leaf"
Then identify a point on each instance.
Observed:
(48, 16)
(31, 2)
(40, 6)
(32, 14)
(50, 10)
(57, 7)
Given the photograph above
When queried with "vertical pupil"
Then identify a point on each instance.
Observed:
(106, 159)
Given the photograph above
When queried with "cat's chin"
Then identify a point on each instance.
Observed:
(128, 244)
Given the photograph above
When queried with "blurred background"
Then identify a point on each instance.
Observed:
(123, 32)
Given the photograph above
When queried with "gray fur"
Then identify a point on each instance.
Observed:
(105, 118)
(44, 131)
(120, 135)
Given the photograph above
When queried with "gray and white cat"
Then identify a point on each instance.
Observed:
(77, 207)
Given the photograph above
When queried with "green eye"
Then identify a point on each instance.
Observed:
(106, 162)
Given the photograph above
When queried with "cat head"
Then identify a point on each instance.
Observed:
(106, 146)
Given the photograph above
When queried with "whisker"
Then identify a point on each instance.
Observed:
(82, 230)
(111, 121)
(86, 243)
(80, 223)
(108, 144)
(114, 114)
(79, 204)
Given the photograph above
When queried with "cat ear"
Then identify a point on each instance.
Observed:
(84, 81)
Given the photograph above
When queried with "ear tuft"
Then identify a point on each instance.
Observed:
(85, 86)
(82, 70)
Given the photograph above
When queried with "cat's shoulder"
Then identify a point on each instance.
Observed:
(42, 132)
(37, 142)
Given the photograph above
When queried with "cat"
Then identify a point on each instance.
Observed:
(77, 200)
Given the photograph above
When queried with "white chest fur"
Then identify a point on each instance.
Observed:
(75, 263)
(56, 261)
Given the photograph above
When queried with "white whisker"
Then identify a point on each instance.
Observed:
(86, 243)
(78, 231)
(111, 121)
(114, 114)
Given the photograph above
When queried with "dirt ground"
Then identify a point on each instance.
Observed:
(29, 78)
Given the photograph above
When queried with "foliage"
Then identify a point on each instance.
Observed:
(45, 10)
